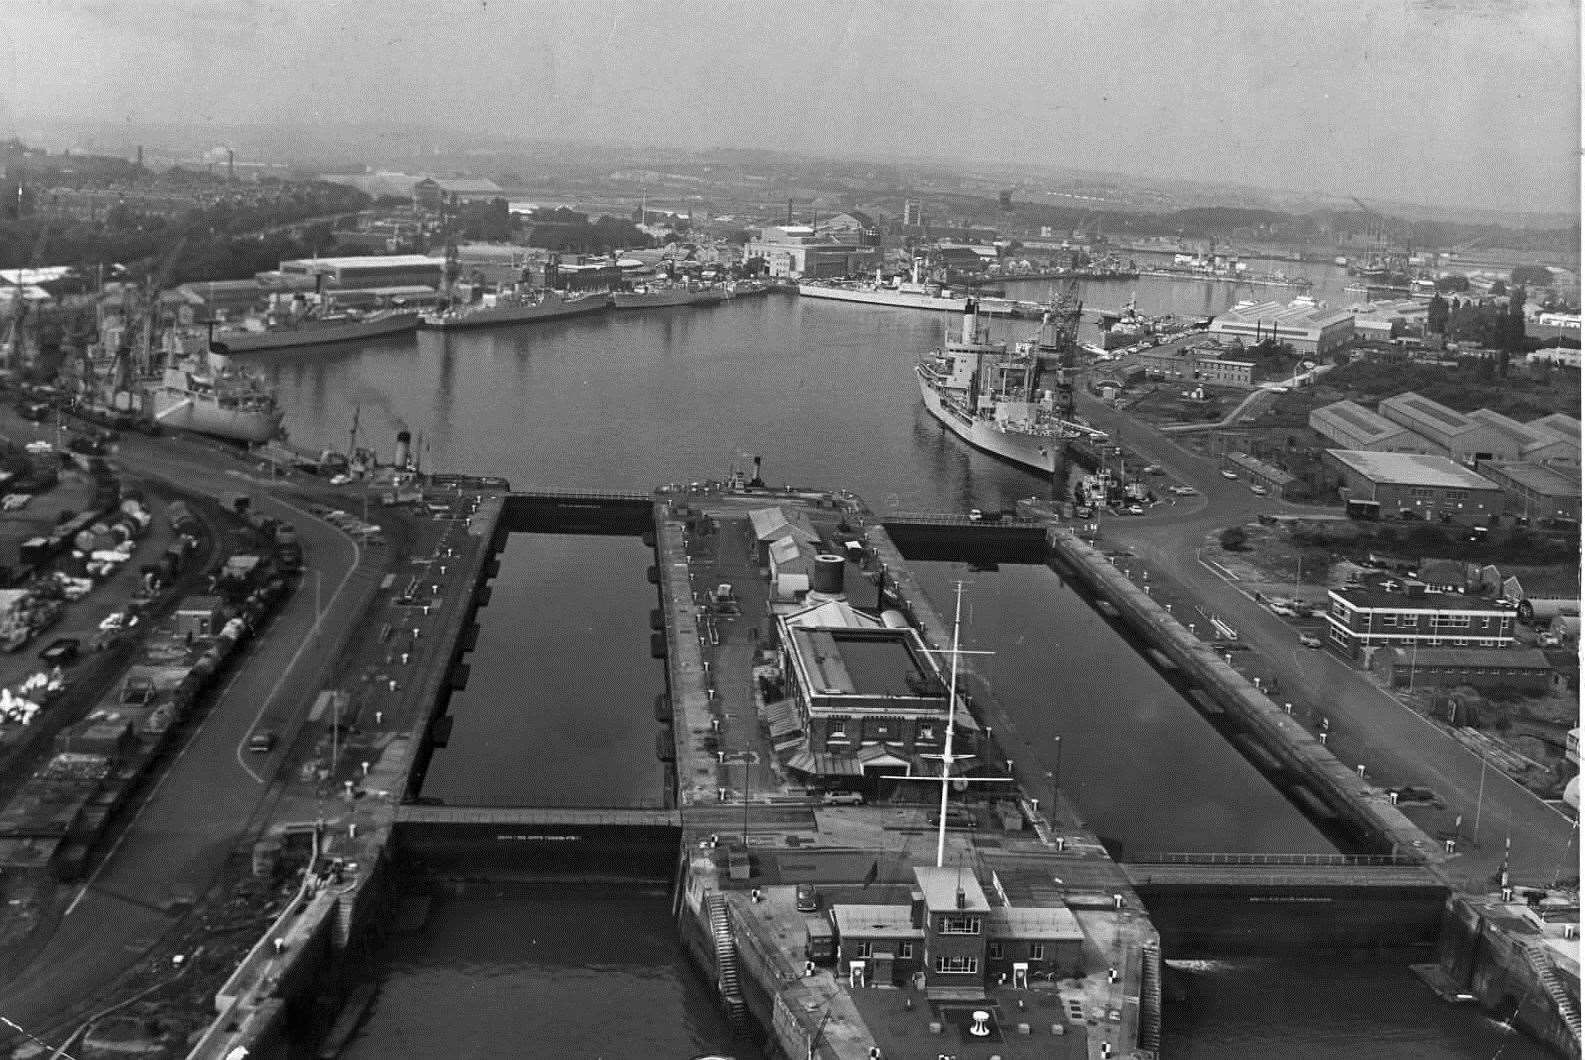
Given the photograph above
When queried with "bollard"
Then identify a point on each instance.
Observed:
(365, 767)
(1322, 737)
(393, 684)
(352, 830)
(1360, 769)
(404, 658)
(379, 717)
(1287, 708)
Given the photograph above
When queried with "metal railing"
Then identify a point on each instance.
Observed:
(1318, 860)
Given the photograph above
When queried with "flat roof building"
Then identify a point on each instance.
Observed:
(369, 270)
(799, 251)
(1414, 485)
(1201, 363)
(1365, 617)
(1308, 328)
(1352, 426)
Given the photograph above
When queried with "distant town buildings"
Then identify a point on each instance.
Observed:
(797, 251)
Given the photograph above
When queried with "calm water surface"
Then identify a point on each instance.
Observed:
(824, 392)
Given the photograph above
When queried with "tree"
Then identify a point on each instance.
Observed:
(1232, 539)
(1452, 282)
(1436, 314)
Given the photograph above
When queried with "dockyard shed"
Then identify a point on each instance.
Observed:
(1455, 435)
(1308, 328)
(1415, 486)
(1535, 492)
(1273, 478)
(1524, 670)
(1529, 445)
(1349, 425)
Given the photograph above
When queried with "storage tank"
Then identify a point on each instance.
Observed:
(828, 574)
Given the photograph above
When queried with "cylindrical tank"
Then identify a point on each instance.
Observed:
(894, 620)
(828, 574)
(404, 447)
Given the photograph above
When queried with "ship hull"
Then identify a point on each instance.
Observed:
(293, 338)
(1034, 452)
(509, 315)
(240, 425)
(880, 296)
(663, 299)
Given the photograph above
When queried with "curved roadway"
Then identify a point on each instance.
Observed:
(198, 811)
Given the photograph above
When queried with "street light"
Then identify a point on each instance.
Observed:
(1056, 776)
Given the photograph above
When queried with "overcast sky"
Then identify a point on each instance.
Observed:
(1435, 101)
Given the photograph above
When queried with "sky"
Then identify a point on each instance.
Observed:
(1441, 102)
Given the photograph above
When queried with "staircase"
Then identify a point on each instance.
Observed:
(1150, 998)
(1567, 1004)
(726, 962)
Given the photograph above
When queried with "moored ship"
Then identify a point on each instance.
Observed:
(987, 396)
(657, 296)
(910, 294)
(516, 305)
(314, 328)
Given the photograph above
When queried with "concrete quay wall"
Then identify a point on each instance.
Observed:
(1365, 811)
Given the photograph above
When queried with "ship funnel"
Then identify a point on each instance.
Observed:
(404, 448)
(969, 310)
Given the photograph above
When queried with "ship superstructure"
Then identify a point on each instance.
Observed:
(988, 395)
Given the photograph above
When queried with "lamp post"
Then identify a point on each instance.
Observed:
(745, 761)
(1056, 777)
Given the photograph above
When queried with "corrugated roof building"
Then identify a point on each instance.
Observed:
(1308, 328)
(1455, 435)
(1352, 426)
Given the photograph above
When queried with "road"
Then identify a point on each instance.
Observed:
(1396, 745)
(197, 812)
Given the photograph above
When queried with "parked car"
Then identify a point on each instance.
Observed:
(1230, 474)
(1185, 491)
(261, 742)
(807, 899)
(62, 651)
(1309, 640)
(843, 798)
(1258, 490)
(1136, 509)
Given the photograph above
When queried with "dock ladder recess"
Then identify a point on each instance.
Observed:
(726, 961)
(1567, 1007)
(1150, 997)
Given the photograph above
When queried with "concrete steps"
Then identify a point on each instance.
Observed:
(1567, 1005)
(1150, 997)
(726, 962)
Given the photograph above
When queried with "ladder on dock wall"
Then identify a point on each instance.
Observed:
(726, 962)
(1546, 971)
(1150, 998)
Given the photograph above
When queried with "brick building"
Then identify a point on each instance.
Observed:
(1385, 613)
(1526, 670)
(1412, 486)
